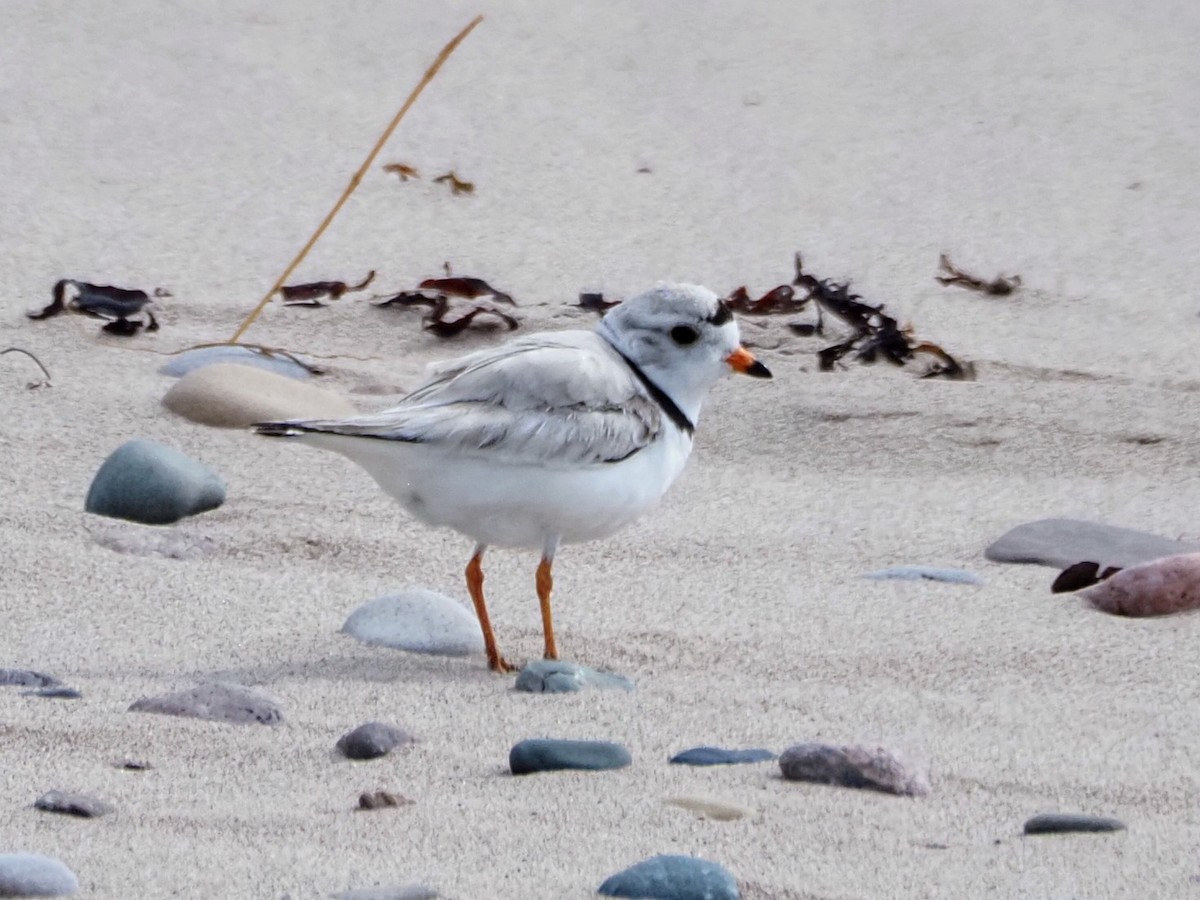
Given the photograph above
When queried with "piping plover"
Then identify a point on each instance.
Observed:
(551, 438)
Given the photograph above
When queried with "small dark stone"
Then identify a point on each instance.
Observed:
(132, 765)
(215, 702)
(55, 693)
(382, 800)
(553, 676)
(27, 678)
(73, 804)
(852, 766)
(548, 755)
(719, 756)
(671, 877)
(372, 740)
(1062, 823)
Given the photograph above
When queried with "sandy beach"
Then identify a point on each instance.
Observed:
(194, 146)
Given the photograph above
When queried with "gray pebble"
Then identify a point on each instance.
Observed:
(873, 768)
(372, 740)
(549, 755)
(27, 678)
(55, 693)
(1060, 823)
(216, 702)
(147, 482)
(182, 363)
(719, 756)
(72, 804)
(1063, 542)
(925, 573)
(671, 877)
(552, 676)
(402, 892)
(34, 875)
(419, 621)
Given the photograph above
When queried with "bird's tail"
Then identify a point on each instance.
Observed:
(281, 429)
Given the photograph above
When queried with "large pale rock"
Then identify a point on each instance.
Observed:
(1157, 588)
(226, 395)
(1064, 542)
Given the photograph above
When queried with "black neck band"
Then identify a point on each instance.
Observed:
(674, 413)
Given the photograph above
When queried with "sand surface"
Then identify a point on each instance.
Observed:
(195, 145)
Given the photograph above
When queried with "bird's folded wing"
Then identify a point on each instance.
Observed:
(547, 399)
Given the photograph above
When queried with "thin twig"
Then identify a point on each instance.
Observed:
(45, 371)
(358, 176)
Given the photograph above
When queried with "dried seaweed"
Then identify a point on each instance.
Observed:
(435, 294)
(457, 185)
(32, 384)
(117, 306)
(594, 301)
(1081, 575)
(403, 170)
(310, 294)
(1000, 286)
(462, 286)
(444, 329)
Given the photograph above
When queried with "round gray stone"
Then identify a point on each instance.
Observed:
(852, 766)
(372, 740)
(72, 804)
(144, 481)
(549, 755)
(34, 875)
(419, 621)
(554, 676)
(672, 877)
(1063, 542)
(190, 360)
(217, 703)
(1064, 823)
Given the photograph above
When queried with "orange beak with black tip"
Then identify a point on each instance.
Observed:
(742, 361)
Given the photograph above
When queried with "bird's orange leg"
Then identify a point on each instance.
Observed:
(545, 584)
(496, 662)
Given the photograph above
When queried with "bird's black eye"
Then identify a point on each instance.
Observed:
(684, 335)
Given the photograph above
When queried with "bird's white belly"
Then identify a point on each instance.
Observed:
(502, 504)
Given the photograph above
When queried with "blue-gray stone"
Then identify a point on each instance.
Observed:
(144, 481)
(1060, 823)
(71, 804)
(215, 702)
(549, 755)
(372, 740)
(671, 877)
(200, 357)
(418, 621)
(1063, 542)
(925, 573)
(719, 756)
(27, 678)
(34, 875)
(553, 676)
(55, 693)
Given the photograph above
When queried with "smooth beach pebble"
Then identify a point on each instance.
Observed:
(1157, 588)
(549, 755)
(225, 395)
(1063, 542)
(873, 768)
(183, 363)
(552, 676)
(147, 482)
(418, 621)
(27, 678)
(1064, 823)
(55, 693)
(72, 804)
(719, 756)
(707, 808)
(671, 877)
(34, 875)
(372, 740)
(216, 702)
(401, 892)
(924, 573)
(382, 800)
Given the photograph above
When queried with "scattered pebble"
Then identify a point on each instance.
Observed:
(418, 621)
(853, 766)
(55, 693)
(382, 800)
(1157, 588)
(27, 678)
(132, 765)
(549, 755)
(34, 875)
(147, 482)
(190, 360)
(1062, 823)
(1063, 542)
(171, 543)
(372, 740)
(215, 702)
(707, 808)
(719, 756)
(72, 804)
(925, 573)
(225, 395)
(552, 676)
(402, 892)
(671, 877)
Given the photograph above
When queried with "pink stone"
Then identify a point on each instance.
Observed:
(1157, 588)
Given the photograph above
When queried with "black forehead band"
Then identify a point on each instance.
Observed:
(722, 315)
